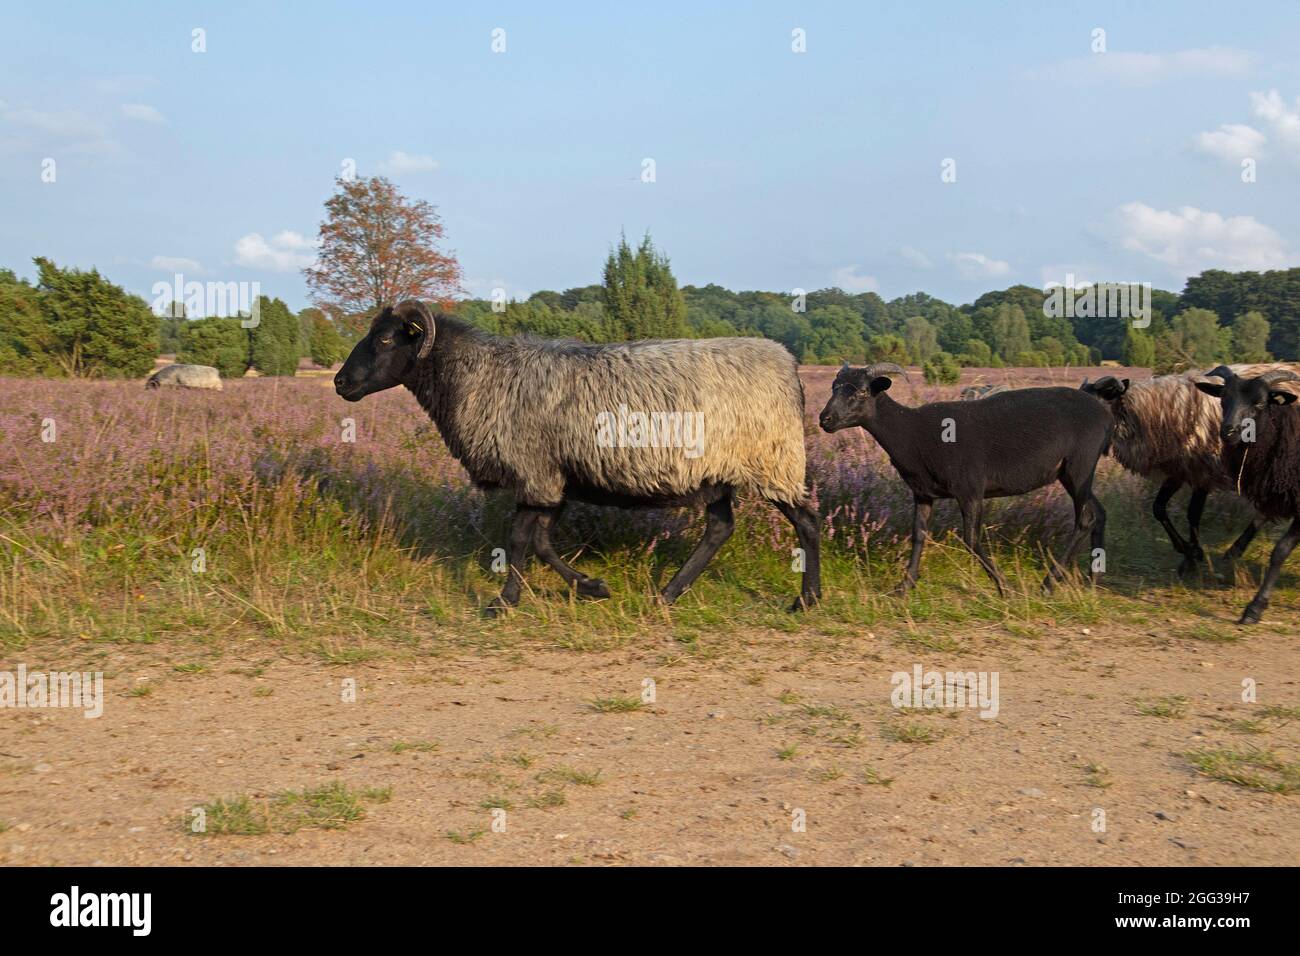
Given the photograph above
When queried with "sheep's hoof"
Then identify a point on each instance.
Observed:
(1251, 615)
(804, 602)
(592, 588)
(1049, 584)
(900, 590)
(496, 608)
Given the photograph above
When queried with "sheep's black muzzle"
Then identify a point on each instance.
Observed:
(347, 389)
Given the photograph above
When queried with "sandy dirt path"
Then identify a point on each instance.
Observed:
(704, 775)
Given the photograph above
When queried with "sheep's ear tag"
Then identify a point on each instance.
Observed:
(414, 326)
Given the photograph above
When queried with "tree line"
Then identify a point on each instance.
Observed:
(1219, 317)
(74, 323)
(378, 247)
(78, 323)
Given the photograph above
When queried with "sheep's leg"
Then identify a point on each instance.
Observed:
(972, 532)
(1085, 520)
(807, 527)
(587, 587)
(1281, 551)
(920, 529)
(718, 527)
(1098, 541)
(1160, 508)
(521, 535)
(1194, 558)
(1244, 539)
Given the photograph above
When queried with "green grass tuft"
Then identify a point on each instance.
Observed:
(332, 806)
(1252, 769)
(617, 705)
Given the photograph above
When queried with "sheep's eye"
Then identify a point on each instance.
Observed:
(387, 340)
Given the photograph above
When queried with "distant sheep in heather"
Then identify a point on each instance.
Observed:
(972, 393)
(1165, 427)
(1261, 451)
(186, 376)
(640, 424)
(1008, 444)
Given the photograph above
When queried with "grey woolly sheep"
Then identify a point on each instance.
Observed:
(973, 393)
(1261, 449)
(1165, 427)
(639, 424)
(186, 376)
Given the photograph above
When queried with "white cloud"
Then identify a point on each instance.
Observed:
(174, 264)
(68, 130)
(976, 265)
(1190, 240)
(288, 239)
(1282, 122)
(399, 163)
(1141, 69)
(142, 112)
(850, 280)
(1232, 142)
(1236, 141)
(916, 257)
(286, 251)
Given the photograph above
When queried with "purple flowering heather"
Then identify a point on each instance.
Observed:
(176, 458)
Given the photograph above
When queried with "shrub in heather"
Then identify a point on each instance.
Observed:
(219, 342)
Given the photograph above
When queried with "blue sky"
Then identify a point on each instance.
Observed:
(773, 169)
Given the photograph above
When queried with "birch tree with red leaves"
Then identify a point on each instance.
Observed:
(377, 248)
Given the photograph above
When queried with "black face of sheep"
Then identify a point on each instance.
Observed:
(1252, 418)
(397, 339)
(853, 395)
(1108, 389)
(1245, 399)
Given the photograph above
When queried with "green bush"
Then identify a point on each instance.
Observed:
(326, 345)
(1139, 349)
(25, 339)
(219, 342)
(942, 369)
(274, 349)
(92, 327)
(978, 353)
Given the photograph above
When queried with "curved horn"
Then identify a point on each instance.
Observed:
(1279, 375)
(884, 368)
(421, 321)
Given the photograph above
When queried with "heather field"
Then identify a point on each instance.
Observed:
(288, 625)
(262, 514)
